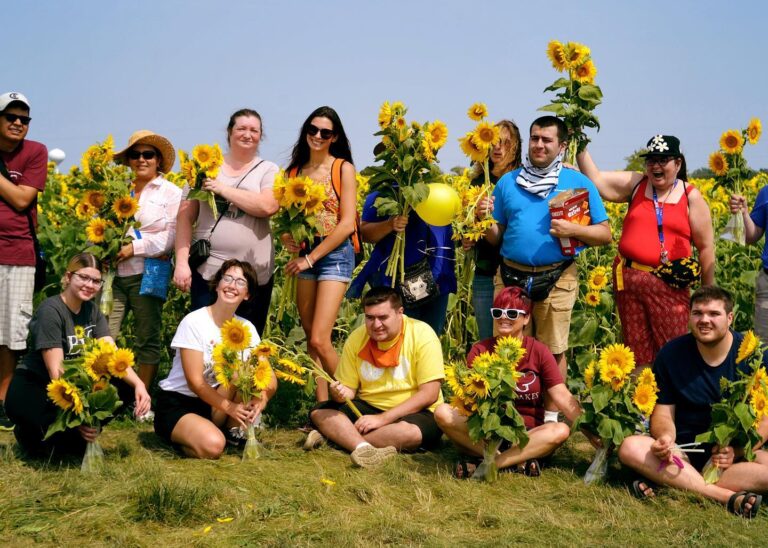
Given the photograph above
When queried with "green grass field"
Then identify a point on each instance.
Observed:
(148, 496)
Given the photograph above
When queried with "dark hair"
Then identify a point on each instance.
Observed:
(339, 148)
(16, 104)
(707, 293)
(549, 121)
(81, 260)
(248, 273)
(380, 294)
(513, 297)
(243, 112)
(683, 173)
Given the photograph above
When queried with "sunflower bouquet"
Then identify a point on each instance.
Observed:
(613, 402)
(485, 393)
(578, 95)
(236, 365)
(408, 154)
(300, 199)
(84, 394)
(204, 163)
(730, 168)
(736, 418)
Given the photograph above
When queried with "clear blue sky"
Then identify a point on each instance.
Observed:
(692, 69)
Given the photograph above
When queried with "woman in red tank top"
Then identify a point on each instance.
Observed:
(665, 216)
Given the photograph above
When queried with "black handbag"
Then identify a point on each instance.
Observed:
(200, 249)
(537, 284)
(418, 285)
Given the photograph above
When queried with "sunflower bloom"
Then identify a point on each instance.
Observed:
(718, 164)
(65, 395)
(438, 134)
(556, 54)
(647, 377)
(315, 199)
(598, 278)
(592, 298)
(79, 332)
(618, 355)
(644, 399)
(84, 210)
(759, 381)
(585, 73)
(125, 207)
(95, 198)
(204, 156)
(476, 385)
(427, 149)
(291, 366)
(220, 372)
(589, 374)
(477, 112)
(288, 377)
(759, 403)
(465, 406)
(486, 135)
(96, 363)
(96, 229)
(576, 54)
(266, 349)
(297, 190)
(262, 375)
(235, 334)
(732, 142)
(754, 130)
(468, 147)
(120, 361)
(452, 381)
(747, 346)
(385, 115)
(510, 349)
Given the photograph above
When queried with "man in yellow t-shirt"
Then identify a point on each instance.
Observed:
(391, 369)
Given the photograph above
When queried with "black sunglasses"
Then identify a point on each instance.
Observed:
(146, 154)
(25, 120)
(324, 133)
(509, 313)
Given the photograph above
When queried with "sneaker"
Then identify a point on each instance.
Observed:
(369, 456)
(149, 416)
(5, 423)
(235, 436)
(314, 440)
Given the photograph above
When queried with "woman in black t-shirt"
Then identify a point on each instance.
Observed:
(59, 324)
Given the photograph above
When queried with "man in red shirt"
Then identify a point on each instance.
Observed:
(23, 169)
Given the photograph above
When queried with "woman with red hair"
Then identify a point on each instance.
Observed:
(540, 376)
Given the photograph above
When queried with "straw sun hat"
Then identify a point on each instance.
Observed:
(147, 137)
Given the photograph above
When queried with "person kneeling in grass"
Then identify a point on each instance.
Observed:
(540, 376)
(391, 369)
(689, 370)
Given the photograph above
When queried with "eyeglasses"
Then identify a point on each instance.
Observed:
(25, 120)
(239, 282)
(87, 279)
(324, 133)
(660, 161)
(508, 313)
(146, 154)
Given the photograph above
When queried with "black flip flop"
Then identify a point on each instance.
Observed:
(740, 509)
(641, 493)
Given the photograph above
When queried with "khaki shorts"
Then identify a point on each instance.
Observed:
(551, 318)
(16, 288)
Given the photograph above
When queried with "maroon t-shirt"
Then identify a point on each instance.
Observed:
(28, 166)
(540, 373)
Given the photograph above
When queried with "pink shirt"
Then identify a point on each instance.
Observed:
(158, 206)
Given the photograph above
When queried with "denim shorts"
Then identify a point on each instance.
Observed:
(337, 266)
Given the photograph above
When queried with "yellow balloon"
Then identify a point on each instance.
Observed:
(441, 206)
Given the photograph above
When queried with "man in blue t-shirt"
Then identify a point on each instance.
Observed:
(688, 371)
(754, 228)
(530, 238)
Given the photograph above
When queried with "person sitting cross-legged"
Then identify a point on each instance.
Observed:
(688, 371)
(391, 368)
(540, 376)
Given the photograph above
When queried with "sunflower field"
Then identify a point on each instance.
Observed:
(68, 206)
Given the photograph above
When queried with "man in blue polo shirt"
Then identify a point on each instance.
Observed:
(530, 247)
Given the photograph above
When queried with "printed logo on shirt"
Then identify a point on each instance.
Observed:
(371, 373)
(15, 175)
(524, 386)
(81, 333)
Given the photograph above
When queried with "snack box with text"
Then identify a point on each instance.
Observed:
(571, 205)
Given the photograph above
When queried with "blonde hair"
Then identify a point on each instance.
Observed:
(81, 260)
(512, 158)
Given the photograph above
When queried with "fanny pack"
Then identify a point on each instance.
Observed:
(418, 286)
(680, 273)
(537, 284)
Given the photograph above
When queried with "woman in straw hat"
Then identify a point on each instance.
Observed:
(143, 265)
(243, 192)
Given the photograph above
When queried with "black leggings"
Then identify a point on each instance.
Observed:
(30, 410)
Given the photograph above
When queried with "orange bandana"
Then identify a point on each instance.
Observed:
(383, 358)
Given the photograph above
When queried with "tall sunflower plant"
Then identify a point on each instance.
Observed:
(614, 403)
(408, 156)
(84, 394)
(300, 199)
(576, 95)
(204, 163)
(730, 169)
(247, 371)
(485, 394)
(742, 409)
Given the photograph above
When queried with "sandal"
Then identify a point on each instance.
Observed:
(643, 489)
(532, 468)
(740, 510)
(463, 468)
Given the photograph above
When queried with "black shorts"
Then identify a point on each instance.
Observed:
(424, 420)
(171, 406)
